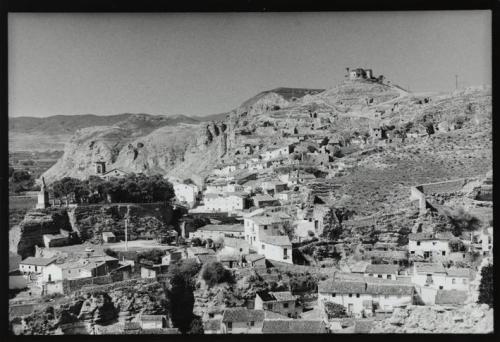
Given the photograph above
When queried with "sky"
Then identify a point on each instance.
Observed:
(209, 63)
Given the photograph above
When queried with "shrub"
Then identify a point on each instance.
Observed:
(111, 252)
(214, 273)
(334, 310)
(486, 286)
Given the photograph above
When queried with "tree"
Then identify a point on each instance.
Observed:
(181, 294)
(463, 221)
(215, 273)
(334, 310)
(486, 286)
(111, 252)
(20, 180)
(332, 227)
(196, 326)
(71, 187)
(153, 255)
(457, 245)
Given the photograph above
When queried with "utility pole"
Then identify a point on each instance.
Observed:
(126, 236)
(456, 82)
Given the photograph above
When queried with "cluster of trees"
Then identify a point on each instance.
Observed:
(215, 273)
(132, 188)
(20, 180)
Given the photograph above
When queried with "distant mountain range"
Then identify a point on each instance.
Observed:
(69, 124)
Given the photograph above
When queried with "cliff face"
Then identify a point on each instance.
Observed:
(36, 223)
(102, 305)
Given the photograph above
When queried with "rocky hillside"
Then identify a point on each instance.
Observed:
(469, 319)
(107, 306)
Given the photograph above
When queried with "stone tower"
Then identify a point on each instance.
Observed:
(43, 197)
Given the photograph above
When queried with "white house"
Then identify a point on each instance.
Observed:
(235, 246)
(186, 193)
(384, 271)
(224, 169)
(432, 275)
(35, 265)
(226, 202)
(276, 248)
(264, 200)
(429, 245)
(283, 303)
(458, 279)
(171, 257)
(485, 241)
(153, 321)
(258, 226)
(82, 268)
(216, 231)
(277, 152)
(361, 298)
(255, 260)
(242, 321)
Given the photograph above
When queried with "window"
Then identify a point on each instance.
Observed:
(241, 249)
(440, 287)
(453, 281)
(389, 276)
(371, 274)
(36, 268)
(265, 226)
(412, 252)
(380, 276)
(229, 326)
(434, 243)
(69, 271)
(252, 323)
(263, 246)
(357, 295)
(350, 294)
(418, 243)
(285, 253)
(285, 305)
(290, 315)
(444, 252)
(333, 294)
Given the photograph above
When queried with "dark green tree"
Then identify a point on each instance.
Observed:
(486, 292)
(334, 310)
(215, 273)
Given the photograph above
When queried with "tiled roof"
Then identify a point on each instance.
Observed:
(450, 297)
(393, 255)
(363, 326)
(346, 287)
(200, 250)
(235, 243)
(293, 326)
(242, 315)
(254, 257)
(21, 310)
(277, 240)
(274, 315)
(131, 326)
(204, 258)
(228, 257)
(38, 261)
(430, 236)
(283, 296)
(266, 219)
(428, 267)
(212, 324)
(459, 272)
(223, 228)
(152, 318)
(382, 269)
(108, 234)
(262, 198)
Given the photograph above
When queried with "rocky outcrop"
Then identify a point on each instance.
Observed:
(88, 222)
(91, 220)
(101, 305)
(35, 224)
(471, 318)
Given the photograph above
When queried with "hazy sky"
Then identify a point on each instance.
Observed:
(199, 64)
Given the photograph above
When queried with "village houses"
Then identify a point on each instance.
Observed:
(432, 245)
(283, 303)
(242, 321)
(216, 231)
(226, 202)
(361, 298)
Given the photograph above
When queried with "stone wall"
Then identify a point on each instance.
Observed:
(443, 187)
